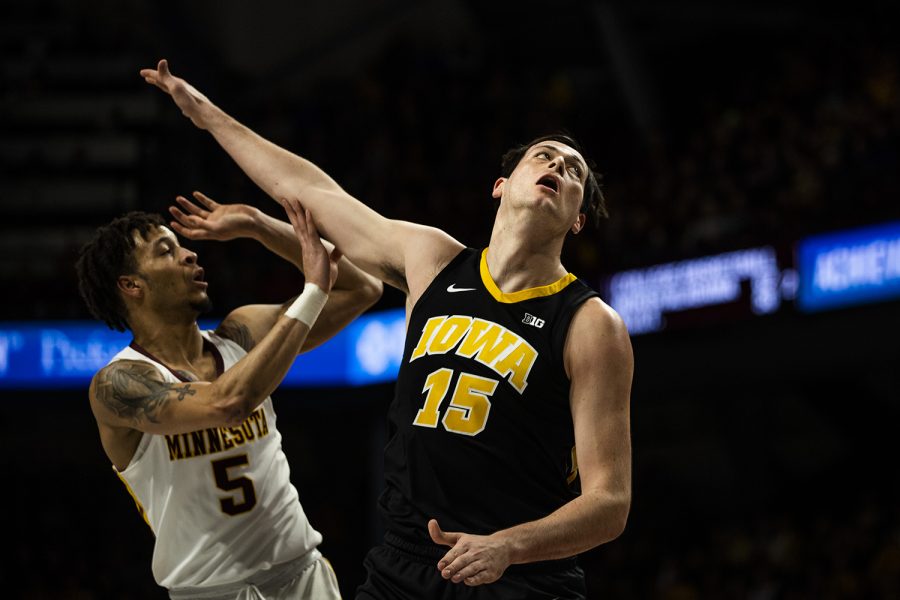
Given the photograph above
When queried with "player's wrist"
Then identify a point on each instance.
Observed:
(252, 225)
(308, 305)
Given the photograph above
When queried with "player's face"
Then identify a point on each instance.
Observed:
(550, 176)
(169, 272)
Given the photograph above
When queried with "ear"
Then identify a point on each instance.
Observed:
(130, 286)
(498, 187)
(579, 223)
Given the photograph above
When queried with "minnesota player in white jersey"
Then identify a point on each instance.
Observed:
(546, 192)
(185, 415)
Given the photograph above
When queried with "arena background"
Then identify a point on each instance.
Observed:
(765, 452)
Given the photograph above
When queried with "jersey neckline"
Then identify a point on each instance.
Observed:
(207, 345)
(526, 294)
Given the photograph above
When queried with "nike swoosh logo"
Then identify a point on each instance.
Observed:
(452, 288)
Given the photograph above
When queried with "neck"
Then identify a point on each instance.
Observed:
(172, 343)
(523, 254)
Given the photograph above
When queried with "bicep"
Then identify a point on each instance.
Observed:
(134, 394)
(601, 364)
(397, 252)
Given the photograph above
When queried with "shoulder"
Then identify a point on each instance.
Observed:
(235, 326)
(125, 369)
(597, 333)
(121, 383)
(595, 313)
(429, 251)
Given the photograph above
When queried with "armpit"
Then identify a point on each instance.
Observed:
(393, 276)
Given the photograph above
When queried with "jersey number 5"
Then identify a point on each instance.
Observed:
(469, 407)
(228, 484)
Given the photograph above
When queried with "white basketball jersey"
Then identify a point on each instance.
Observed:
(220, 500)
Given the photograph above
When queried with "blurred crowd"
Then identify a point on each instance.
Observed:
(800, 139)
(803, 141)
(785, 138)
(820, 552)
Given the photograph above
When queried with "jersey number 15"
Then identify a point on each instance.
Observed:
(469, 406)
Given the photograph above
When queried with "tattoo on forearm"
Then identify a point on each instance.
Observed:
(237, 332)
(136, 391)
(184, 391)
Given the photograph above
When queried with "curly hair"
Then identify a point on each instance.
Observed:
(593, 204)
(106, 257)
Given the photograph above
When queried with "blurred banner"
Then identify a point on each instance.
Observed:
(822, 272)
(849, 267)
(750, 281)
(830, 271)
(66, 354)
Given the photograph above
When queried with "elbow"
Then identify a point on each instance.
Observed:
(234, 409)
(370, 292)
(615, 525)
(616, 528)
(610, 518)
(374, 290)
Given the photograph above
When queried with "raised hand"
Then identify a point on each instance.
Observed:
(206, 219)
(472, 559)
(187, 97)
(319, 267)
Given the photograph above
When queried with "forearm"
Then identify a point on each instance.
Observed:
(278, 237)
(274, 169)
(353, 227)
(252, 379)
(592, 519)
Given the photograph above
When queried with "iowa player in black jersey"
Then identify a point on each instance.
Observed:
(516, 378)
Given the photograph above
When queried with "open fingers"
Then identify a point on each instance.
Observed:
(154, 80)
(191, 208)
(188, 225)
(205, 200)
(155, 76)
(188, 232)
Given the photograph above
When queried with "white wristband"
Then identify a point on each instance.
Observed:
(308, 305)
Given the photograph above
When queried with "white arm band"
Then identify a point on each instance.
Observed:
(308, 305)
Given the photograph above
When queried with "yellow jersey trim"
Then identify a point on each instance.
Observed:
(136, 501)
(528, 294)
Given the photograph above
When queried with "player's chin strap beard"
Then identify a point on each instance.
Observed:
(202, 306)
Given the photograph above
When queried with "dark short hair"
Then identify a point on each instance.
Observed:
(106, 257)
(593, 204)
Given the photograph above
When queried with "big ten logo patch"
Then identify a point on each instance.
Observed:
(533, 321)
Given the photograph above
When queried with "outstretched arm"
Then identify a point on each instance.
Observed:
(599, 363)
(403, 254)
(133, 394)
(353, 292)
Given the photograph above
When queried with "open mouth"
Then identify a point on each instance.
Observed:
(199, 276)
(549, 182)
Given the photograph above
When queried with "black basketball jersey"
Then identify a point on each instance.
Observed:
(480, 431)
